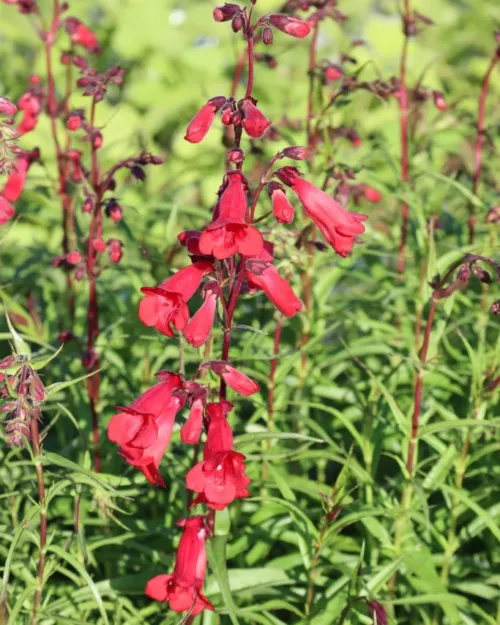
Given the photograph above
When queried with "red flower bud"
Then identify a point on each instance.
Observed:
(295, 152)
(74, 122)
(73, 258)
(290, 25)
(267, 35)
(226, 12)
(254, 122)
(283, 211)
(99, 246)
(236, 155)
(115, 250)
(333, 72)
(203, 120)
(237, 23)
(439, 101)
(371, 194)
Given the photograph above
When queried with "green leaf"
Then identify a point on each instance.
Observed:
(216, 552)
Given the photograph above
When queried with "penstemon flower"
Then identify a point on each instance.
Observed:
(229, 257)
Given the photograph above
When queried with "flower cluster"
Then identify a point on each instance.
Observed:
(229, 256)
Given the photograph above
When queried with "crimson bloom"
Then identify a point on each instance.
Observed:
(220, 478)
(183, 589)
(229, 234)
(283, 211)
(339, 227)
(234, 378)
(203, 120)
(261, 274)
(254, 122)
(165, 306)
(199, 327)
(143, 429)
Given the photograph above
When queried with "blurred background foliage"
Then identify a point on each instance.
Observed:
(350, 385)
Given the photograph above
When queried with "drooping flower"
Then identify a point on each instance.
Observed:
(166, 305)
(229, 233)
(339, 226)
(143, 429)
(203, 120)
(220, 478)
(254, 122)
(261, 274)
(234, 378)
(200, 326)
(283, 211)
(439, 101)
(290, 25)
(82, 35)
(7, 211)
(183, 589)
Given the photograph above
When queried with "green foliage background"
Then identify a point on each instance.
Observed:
(343, 400)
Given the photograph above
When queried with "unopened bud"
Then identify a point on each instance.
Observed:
(138, 173)
(481, 274)
(464, 273)
(236, 155)
(295, 152)
(290, 25)
(267, 35)
(237, 22)
(493, 216)
(439, 101)
(495, 307)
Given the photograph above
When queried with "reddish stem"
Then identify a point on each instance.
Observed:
(310, 97)
(480, 137)
(93, 382)
(405, 161)
(35, 439)
(419, 388)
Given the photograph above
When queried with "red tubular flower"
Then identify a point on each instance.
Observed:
(190, 239)
(81, 34)
(220, 478)
(283, 211)
(143, 429)
(339, 227)
(254, 122)
(234, 378)
(165, 305)
(7, 211)
(229, 234)
(203, 120)
(290, 25)
(183, 589)
(199, 327)
(333, 72)
(260, 274)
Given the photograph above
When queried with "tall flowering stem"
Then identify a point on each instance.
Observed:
(408, 31)
(481, 134)
(229, 258)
